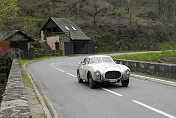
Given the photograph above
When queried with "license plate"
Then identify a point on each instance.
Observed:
(113, 81)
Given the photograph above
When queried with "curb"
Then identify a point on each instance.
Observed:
(46, 104)
(153, 79)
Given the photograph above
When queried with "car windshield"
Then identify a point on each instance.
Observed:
(100, 60)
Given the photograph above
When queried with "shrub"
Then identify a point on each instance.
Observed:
(4, 46)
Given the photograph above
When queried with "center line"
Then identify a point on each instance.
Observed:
(153, 109)
(71, 75)
(112, 92)
(61, 70)
(58, 68)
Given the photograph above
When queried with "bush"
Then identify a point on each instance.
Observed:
(4, 46)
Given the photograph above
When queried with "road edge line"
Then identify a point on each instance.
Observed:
(46, 104)
(165, 82)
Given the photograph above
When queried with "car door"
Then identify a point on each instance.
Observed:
(83, 69)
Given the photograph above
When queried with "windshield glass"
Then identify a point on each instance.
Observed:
(100, 60)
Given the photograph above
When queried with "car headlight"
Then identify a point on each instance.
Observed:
(127, 72)
(97, 73)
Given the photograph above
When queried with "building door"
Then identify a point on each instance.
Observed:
(57, 46)
(68, 48)
(91, 47)
(81, 47)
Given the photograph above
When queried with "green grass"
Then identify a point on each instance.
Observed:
(151, 57)
(26, 80)
(43, 115)
(120, 52)
(166, 46)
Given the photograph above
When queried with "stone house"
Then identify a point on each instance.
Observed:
(18, 41)
(66, 37)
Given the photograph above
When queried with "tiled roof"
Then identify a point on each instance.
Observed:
(68, 26)
(7, 35)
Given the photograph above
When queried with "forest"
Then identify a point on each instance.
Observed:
(112, 24)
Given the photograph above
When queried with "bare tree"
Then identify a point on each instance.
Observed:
(129, 12)
(159, 8)
(93, 10)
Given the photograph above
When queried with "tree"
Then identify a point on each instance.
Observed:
(8, 11)
(92, 9)
(129, 12)
(75, 7)
(29, 27)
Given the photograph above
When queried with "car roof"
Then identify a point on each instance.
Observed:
(98, 56)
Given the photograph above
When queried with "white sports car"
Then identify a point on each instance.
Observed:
(102, 68)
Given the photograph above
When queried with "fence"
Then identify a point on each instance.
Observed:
(161, 69)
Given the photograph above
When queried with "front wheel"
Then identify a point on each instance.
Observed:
(125, 83)
(92, 83)
(79, 78)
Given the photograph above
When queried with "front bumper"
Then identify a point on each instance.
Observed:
(103, 79)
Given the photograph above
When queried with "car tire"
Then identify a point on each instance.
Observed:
(125, 83)
(92, 83)
(79, 78)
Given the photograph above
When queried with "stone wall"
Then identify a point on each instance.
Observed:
(14, 103)
(161, 69)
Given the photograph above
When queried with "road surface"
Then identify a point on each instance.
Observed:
(141, 99)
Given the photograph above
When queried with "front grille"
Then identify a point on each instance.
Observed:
(112, 75)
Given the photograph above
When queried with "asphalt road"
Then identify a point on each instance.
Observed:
(141, 99)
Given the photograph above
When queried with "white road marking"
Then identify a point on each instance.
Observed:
(57, 68)
(150, 78)
(153, 109)
(112, 92)
(61, 70)
(71, 75)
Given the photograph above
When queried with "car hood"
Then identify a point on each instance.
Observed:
(103, 67)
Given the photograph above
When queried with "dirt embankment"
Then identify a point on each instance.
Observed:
(169, 60)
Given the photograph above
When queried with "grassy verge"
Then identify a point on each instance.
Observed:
(166, 46)
(151, 57)
(120, 52)
(21, 62)
(33, 100)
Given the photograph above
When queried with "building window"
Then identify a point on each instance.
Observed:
(67, 28)
(73, 28)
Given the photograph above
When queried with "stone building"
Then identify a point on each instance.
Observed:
(66, 37)
(18, 41)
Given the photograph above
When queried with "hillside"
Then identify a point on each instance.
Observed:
(113, 25)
